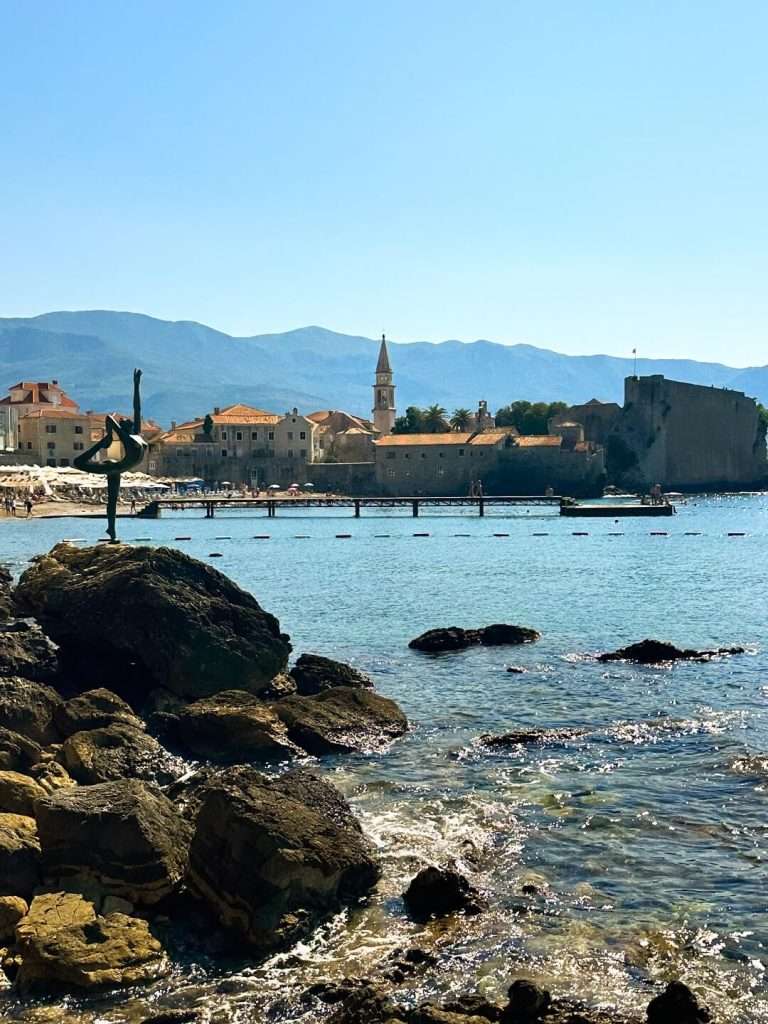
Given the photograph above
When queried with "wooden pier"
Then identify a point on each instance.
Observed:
(270, 506)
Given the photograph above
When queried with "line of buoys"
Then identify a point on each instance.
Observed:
(540, 535)
(301, 536)
(501, 535)
(343, 536)
(142, 538)
(615, 534)
(462, 535)
(659, 533)
(261, 536)
(182, 538)
(581, 533)
(222, 538)
(736, 534)
(421, 535)
(381, 536)
(215, 554)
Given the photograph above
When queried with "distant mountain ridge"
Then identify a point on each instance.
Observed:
(189, 367)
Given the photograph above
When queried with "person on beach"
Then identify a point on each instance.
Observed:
(28, 506)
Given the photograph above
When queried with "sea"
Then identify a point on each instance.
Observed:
(610, 863)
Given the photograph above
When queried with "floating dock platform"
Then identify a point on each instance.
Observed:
(615, 511)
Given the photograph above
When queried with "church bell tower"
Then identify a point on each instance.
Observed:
(383, 394)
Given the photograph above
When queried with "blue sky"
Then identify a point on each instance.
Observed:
(587, 176)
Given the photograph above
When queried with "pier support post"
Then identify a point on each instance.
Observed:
(415, 508)
(480, 507)
(357, 509)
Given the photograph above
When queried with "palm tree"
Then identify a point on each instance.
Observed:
(434, 419)
(460, 419)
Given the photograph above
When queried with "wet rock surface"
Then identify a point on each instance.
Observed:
(454, 638)
(341, 720)
(439, 891)
(19, 854)
(657, 652)
(123, 837)
(524, 737)
(6, 602)
(63, 941)
(272, 857)
(233, 727)
(18, 794)
(117, 752)
(313, 674)
(147, 617)
(26, 651)
(94, 709)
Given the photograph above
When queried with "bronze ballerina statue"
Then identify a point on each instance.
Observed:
(134, 448)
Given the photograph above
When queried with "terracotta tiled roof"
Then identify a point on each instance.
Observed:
(400, 440)
(539, 441)
(490, 437)
(55, 412)
(33, 394)
(244, 414)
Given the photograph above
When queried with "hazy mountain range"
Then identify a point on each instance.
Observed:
(189, 368)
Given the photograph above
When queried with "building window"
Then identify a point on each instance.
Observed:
(461, 451)
(303, 435)
(254, 435)
(223, 435)
(303, 453)
(407, 455)
(290, 435)
(223, 453)
(390, 455)
(271, 435)
(50, 462)
(423, 455)
(63, 462)
(179, 451)
(78, 446)
(239, 435)
(321, 445)
(290, 453)
(50, 428)
(51, 445)
(391, 474)
(152, 467)
(78, 429)
(440, 454)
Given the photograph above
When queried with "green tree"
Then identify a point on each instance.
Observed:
(527, 417)
(208, 425)
(434, 420)
(411, 423)
(460, 419)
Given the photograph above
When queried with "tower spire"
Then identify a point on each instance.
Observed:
(383, 364)
(383, 393)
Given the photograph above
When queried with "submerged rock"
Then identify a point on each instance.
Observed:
(527, 1002)
(438, 891)
(313, 674)
(341, 720)
(28, 708)
(123, 837)
(63, 941)
(117, 752)
(454, 638)
(26, 651)
(523, 737)
(657, 652)
(274, 856)
(19, 855)
(233, 727)
(151, 617)
(94, 709)
(677, 1005)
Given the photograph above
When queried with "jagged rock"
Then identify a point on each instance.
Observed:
(18, 794)
(117, 752)
(341, 720)
(12, 909)
(151, 617)
(6, 603)
(273, 856)
(64, 942)
(125, 837)
(677, 1005)
(19, 854)
(405, 962)
(475, 1005)
(233, 727)
(283, 685)
(527, 1002)
(17, 753)
(454, 638)
(50, 776)
(94, 709)
(526, 736)
(26, 651)
(427, 1013)
(438, 891)
(28, 708)
(657, 652)
(366, 1004)
(313, 674)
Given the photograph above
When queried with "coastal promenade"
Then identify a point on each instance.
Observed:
(270, 506)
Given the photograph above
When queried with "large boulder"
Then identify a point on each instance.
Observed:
(26, 651)
(233, 727)
(17, 752)
(94, 709)
(19, 855)
(18, 794)
(151, 617)
(341, 720)
(125, 838)
(659, 652)
(117, 752)
(63, 942)
(12, 909)
(677, 1005)
(273, 856)
(28, 708)
(312, 674)
(454, 638)
(6, 602)
(527, 1003)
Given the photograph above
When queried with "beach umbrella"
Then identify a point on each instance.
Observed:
(274, 487)
(309, 487)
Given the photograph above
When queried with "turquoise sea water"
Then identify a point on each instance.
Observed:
(647, 835)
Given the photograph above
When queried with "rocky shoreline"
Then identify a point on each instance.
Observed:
(120, 665)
